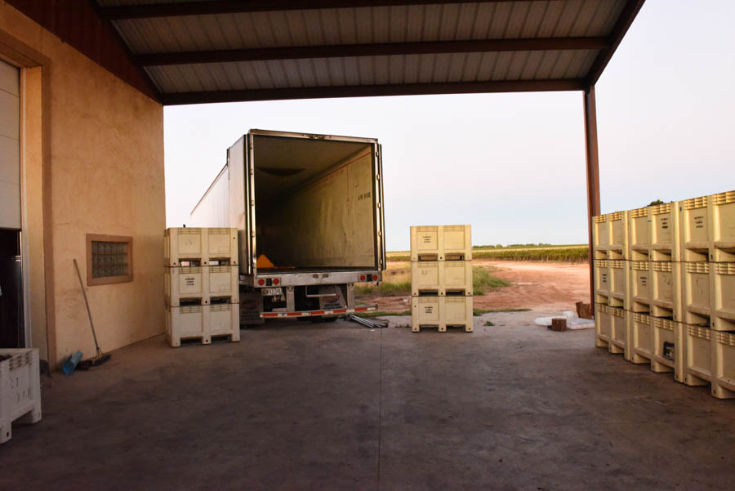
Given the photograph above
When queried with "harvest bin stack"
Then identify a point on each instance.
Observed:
(441, 277)
(202, 284)
(665, 288)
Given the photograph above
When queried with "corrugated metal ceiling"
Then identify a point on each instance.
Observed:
(372, 25)
(374, 70)
(233, 33)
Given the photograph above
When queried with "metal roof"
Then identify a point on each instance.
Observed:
(228, 50)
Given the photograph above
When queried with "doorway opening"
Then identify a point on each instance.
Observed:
(12, 329)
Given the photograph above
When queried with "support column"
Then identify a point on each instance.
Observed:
(593, 176)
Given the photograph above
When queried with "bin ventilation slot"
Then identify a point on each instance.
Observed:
(454, 257)
(220, 262)
(187, 302)
(640, 212)
(220, 300)
(691, 204)
(190, 263)
(428, 257)
(428, 293)
(724, 198)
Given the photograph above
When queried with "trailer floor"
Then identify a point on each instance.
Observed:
(338, 406)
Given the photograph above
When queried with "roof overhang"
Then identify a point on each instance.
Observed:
(185, 52)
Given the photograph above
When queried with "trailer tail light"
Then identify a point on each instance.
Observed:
(362, 277)
(276, 281)
(261, 282)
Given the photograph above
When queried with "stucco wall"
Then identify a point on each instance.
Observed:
(104, 173)
(31, 152)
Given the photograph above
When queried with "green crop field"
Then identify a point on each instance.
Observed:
(520, 252)
(573, 254)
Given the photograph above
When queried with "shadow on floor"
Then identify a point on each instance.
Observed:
(337, 405)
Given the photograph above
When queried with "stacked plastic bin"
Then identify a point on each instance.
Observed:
(20, 389)
(655, 302)
(678, 310)
(708, 293)
(441, 277)
(611, 271)
(201, 279)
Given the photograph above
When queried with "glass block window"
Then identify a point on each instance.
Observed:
(109, 259)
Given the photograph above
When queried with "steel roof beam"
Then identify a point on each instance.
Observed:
(178, 9)
(378, 49)
(372, 90)
(621, 27)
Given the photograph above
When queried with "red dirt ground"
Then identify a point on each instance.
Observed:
(536, 286)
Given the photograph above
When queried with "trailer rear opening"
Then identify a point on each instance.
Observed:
(314, 204)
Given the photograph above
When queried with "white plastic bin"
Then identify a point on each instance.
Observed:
(20, 389)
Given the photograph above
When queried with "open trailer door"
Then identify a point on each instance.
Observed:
(380, 210)
(241, 200)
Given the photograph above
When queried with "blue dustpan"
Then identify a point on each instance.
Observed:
(71, 364)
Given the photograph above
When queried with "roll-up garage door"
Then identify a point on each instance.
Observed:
(9, 146)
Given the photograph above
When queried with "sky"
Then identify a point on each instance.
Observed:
(513, 165)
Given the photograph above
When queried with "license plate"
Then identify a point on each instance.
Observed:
(272, 292)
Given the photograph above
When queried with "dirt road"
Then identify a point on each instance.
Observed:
(536, 286)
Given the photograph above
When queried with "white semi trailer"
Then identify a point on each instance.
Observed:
(309, 211)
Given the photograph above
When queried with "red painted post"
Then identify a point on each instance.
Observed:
(593, 176)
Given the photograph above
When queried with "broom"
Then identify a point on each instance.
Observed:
(100, 357)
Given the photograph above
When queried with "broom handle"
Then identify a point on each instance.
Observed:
(86, 303)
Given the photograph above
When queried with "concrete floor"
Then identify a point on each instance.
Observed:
(338, 406)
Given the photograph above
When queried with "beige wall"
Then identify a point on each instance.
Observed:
(101, 163)
(31, 154)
